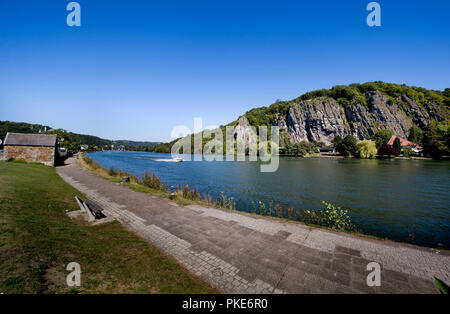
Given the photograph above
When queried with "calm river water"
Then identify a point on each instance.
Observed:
(386, 198)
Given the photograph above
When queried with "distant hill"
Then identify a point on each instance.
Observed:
(135, 143)
(89, 140)
(23, 127)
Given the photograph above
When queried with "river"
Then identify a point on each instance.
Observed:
(402, 200)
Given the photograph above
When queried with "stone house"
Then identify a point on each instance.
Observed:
(31, 147)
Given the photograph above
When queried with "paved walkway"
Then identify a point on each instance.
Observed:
(242, 253)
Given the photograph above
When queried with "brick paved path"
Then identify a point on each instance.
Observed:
(242, 253)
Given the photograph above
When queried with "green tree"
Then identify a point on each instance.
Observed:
(366, 149)
(434, 144)
(397, 145)
(288, 149)
(382, 137)
(415, 135)
(444, 131)
(303, 148)
(337, 141)
(408, 152)
(65, 140)
(347, 146)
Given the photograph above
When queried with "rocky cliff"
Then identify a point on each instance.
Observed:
(322, 118)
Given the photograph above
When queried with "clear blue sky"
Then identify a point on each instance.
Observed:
(136, 69)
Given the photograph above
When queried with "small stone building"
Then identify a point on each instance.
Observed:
(31, 147)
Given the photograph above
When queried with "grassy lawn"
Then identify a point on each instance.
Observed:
(38, 240)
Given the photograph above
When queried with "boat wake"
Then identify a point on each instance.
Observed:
(168, 160)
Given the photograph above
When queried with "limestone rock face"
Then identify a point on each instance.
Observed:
(321, 119)
(418, 113)
(387, 116)
(360, 121)
(421, 115)
(243, 133)
(317, 120)
(281, 122)
(381, 114)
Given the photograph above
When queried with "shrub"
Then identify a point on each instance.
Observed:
(226, 202)
(388, 150)
(366, 149)
(17, 161)
(275, 210)
(189, 194)
(408, 152)
(87, 159)
(259, 208)
(344, 102)
(152, 181)
(209, 200)
(93, 164)
(113, 172)
(331, 216)
(442, 286)
(133, 178)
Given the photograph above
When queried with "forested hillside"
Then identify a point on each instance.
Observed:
(74, 139)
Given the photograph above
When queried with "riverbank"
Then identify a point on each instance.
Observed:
(242, 253)
(318, 155)
(397, 199)
(38, 240)
(185, 196)
(376, 157)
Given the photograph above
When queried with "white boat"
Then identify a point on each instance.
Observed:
(176, 159)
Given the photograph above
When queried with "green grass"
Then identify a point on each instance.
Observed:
(38, 240)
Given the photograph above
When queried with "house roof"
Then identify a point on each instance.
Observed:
(22, 139)
(403, 142)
